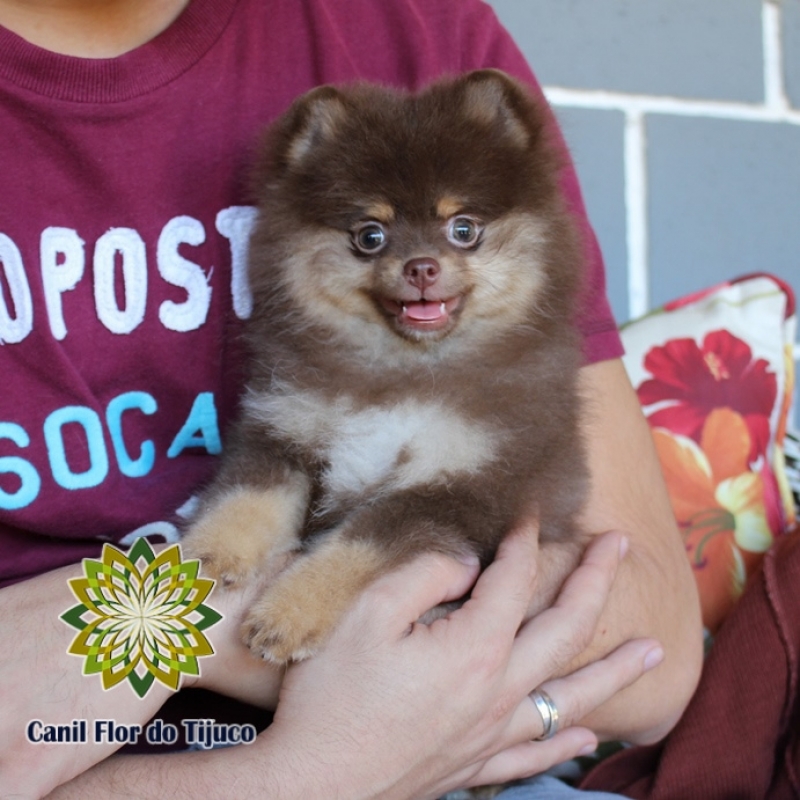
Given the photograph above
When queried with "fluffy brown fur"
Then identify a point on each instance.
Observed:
(413, 377)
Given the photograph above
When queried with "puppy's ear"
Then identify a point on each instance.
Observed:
(494, 99)
(315, 118)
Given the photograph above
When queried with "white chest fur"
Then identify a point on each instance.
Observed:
(378, 448)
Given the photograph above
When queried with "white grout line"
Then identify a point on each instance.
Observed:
(636, 212)
(646, 104)
(774, 89)
(775, 96)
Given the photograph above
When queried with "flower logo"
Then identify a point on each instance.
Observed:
(141, 617)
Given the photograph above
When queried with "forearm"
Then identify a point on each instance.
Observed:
(40, 681)
(655, 593)
(227, 773)
(648, 602)
(274, 766)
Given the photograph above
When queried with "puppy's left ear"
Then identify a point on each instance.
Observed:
(321, 113)
(494, 99)
(313, 119)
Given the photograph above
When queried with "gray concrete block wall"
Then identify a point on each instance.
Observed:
(724, 200)
(683, 117)
(791, 49)
(596, 141)
(686, 48)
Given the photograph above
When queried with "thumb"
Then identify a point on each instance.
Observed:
(408, 592)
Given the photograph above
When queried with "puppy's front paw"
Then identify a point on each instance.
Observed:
(222, 565)
(247, 531)
(280, 630)
(297, 613)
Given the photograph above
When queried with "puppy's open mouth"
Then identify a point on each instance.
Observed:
(421, 315)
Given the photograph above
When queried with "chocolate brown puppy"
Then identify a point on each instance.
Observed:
(413, 369)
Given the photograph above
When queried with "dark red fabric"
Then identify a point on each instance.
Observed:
(740, 736)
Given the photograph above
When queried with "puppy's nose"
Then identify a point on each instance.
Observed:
(422, 272)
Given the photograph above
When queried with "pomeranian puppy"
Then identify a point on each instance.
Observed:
(412, 384)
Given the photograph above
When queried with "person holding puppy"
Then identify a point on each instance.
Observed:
(129, 130)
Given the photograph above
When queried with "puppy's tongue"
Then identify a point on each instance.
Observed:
(421, 315)
(424, 311)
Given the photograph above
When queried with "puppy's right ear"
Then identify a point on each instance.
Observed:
(314, 119)
(495, 99)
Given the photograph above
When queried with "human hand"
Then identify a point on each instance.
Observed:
(396, 709)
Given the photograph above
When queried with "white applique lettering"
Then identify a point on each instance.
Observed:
(166, 530)
(179, 271)
(129, 246)
(62, 259)
(236, 225)
(16, 311)
(119, 271)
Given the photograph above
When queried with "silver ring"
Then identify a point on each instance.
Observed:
(548, 711)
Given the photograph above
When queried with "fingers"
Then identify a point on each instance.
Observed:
(503, 593)
(575, 696)
(580, 693)
(598, 567)
(501, 596)
(548, 643)
(531, 757)
(405, 594)
(552, 639)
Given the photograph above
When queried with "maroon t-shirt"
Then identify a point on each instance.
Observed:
(124, 218)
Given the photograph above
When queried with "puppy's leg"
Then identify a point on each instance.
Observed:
(299, 610)
(301, 607)
(244, 528)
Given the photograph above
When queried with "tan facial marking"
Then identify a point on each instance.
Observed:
(448, 207)
(380, 211)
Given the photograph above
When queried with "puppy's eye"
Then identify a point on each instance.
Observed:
(369, 238)
(464, 232)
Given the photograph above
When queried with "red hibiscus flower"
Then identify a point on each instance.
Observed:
(692, 380)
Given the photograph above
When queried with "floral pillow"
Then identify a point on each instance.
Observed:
(714, 374)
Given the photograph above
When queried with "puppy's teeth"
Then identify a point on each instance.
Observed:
(442, 308)
(404, 308)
